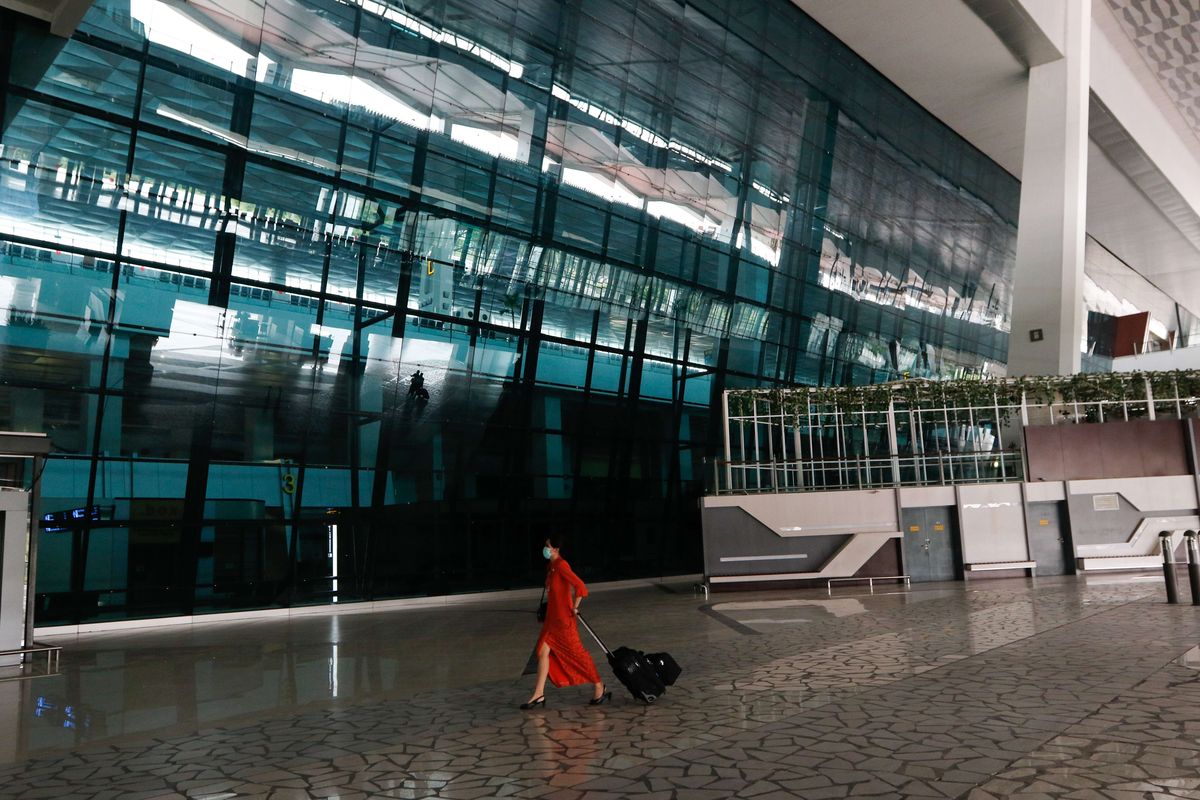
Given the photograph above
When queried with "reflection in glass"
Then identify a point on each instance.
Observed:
(440, 279)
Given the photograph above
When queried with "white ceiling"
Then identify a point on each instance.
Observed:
(948, 59)
(944, 57)
(1167, 36)
(1168, 259)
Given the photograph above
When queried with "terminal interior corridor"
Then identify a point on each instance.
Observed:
(1059, 687)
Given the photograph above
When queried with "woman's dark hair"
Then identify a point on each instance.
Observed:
(556, 540)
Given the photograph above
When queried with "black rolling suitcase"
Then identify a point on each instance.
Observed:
(668, 671)
(635, 670)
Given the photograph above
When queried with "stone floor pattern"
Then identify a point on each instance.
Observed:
(1063, 690)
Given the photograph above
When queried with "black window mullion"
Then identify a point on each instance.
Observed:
(232, 182)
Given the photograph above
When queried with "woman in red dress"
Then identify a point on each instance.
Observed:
(561, 656)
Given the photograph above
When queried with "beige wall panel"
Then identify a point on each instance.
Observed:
(992, 520)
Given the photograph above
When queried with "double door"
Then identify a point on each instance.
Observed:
(931, 544)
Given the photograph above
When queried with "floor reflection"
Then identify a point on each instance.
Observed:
(931, 693)
(168, 681)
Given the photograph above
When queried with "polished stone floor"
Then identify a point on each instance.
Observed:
(1059, 688)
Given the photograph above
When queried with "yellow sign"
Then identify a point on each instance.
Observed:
(914, 528)
(156, 508)
(937, 526)
(155, 521)
(1043, 522)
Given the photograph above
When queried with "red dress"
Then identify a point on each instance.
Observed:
(570, 664)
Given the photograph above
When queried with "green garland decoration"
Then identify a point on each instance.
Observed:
(1005, 393)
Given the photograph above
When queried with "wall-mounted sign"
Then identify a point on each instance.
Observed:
(1106, 502)
(60, 521)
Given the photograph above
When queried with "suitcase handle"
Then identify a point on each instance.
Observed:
(599, 641)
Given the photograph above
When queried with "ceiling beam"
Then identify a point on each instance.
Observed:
(1016, 30)
(62, 15)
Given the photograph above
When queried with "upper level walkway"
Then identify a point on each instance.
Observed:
(919, 432)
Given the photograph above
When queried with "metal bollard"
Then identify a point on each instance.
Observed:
(1193, 557)
(1168, 554)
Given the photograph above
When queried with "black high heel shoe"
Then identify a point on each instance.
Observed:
(532, 704)
(601, 700)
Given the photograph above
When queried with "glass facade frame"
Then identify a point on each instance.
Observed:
(238, 249)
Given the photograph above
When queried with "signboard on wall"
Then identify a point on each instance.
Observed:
(155, 520)
(62, 521)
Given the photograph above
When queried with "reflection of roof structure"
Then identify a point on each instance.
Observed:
(437, 91)
(583, 147)
(694, 175)
(299, 39)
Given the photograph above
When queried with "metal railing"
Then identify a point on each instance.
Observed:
(870, 579)
(875, 472)
(51, 651)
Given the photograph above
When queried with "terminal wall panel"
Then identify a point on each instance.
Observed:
(813, 513)
(1140, 448)
(922, 496)
(1122, 518)
(736, 543)
(1146, 494)
(1045, 492)
(993, 523)
(14, 525)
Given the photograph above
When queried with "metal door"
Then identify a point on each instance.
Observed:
(930, 544)
(1048, 542)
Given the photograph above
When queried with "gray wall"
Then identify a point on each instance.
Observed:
(1089, 526)
(733, 533)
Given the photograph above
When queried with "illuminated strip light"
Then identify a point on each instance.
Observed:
(333, 554)
(764, 558)
(639, 131)
(442, 36)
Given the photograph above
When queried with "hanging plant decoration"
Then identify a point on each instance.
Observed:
(1123, 394)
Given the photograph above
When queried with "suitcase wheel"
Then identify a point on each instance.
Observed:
(649, 698)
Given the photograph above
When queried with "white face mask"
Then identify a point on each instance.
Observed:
(547, 553)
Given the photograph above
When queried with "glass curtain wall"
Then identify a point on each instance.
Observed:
(330, 300)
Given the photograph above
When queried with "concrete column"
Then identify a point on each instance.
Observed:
(1048, 317)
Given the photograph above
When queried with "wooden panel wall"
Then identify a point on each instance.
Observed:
(1130, 334)
(1135, 449)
